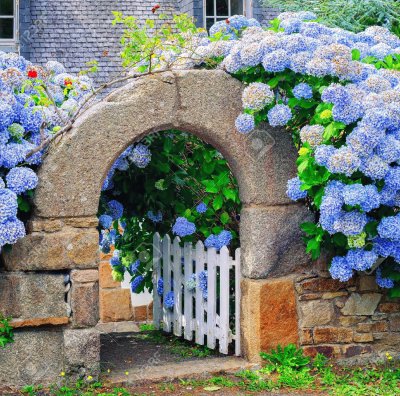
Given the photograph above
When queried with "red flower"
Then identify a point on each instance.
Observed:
(155, 8)
(227, 21)
(32, 73)
(67, 82)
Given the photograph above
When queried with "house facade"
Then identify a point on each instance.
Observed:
(77, 31)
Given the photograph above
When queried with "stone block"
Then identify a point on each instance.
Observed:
(85, 276)
(106, 280)
(82, 352)
(32, 296)
(66, 249)
(36, 357)
(48, 225)
(351, 320)
(380, 326)
(85, 304)
(306, 337)
(271, 244)
(364, 327)
(324, 285)
(394, 323)
(115, 305)
(350, 351)
(316, 313)
(269, 315)
(363, 337)
(361, 304)
(389, 307)
(330, 351)
(368, 283)
(141, 313)
(332, 335)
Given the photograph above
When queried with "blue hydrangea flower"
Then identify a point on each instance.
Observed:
(385, 283)
(183, 227)
(203, 283)
(224, 238)
(351, 223)
(340, 269)
(115, 209)
(133, 268)
(257, 95)
(360, 259)
(140, 155)
(276, 61)
(392, 178)
(8, 205)
(294, 191)
(323, 153)
(302, 91)
(279, 115)
(105, 221)
(160, 287)
(155, 217)
(367, 197)
(343, 160)
(389, 228)
(245, 123)
(169, 301)
(21, 180)
(201, 208)
(11, 231)
(136, 282)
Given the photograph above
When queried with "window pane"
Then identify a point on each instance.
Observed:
(237, 7)
(210, 7)
(6, 28)
(6, 7)
(222, 7)
(210, 22)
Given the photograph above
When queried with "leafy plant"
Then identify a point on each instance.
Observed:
(352, 15)
(6, 331)
(286, 357)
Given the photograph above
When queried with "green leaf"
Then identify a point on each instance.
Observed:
(355, 54)
(218, 202)
(23, 205)
(225, 218)
(309, 228)
(229, 194)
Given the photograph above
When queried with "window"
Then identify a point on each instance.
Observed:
(8, 20)
(219, 10)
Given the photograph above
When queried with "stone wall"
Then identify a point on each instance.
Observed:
(351, 322)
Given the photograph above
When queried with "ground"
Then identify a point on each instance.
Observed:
(152, 363)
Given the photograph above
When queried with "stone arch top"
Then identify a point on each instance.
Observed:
(203, 102)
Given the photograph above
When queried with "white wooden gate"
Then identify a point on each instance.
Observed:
(193, 316)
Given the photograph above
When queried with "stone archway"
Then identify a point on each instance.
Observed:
(63, 240)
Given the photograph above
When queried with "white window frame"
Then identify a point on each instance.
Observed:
(14, 40)
(247, 11)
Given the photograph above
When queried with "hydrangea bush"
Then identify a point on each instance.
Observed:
(338, 93)
(34, 103)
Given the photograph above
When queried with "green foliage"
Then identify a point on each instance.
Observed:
(286, 357)
(352, 15)
(6, 331)
(183, 172)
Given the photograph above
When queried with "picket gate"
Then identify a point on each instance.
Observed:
(215, 318)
